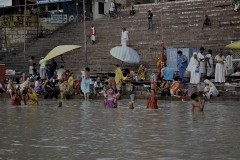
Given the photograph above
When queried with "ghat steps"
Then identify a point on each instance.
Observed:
(177, 24)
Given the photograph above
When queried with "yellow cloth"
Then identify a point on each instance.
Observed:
(32, 99)
(70, 82)
(142, 73)
(70, 85)
(118, 76)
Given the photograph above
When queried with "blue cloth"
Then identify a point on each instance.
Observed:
(85, 85)
(54, 65)
(150, 23)
(182, 67)
(168, 74)
(49, 73)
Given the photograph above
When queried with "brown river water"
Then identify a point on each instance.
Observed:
(87, 131)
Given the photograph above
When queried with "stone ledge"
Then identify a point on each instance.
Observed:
(161, 98)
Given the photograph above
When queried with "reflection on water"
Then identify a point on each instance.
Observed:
(86, 130)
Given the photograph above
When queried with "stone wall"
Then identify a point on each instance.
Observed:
(12, 30)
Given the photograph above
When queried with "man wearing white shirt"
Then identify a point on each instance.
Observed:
(112, 9)
(124, 37)
(209, 61)
(229, 64)
(60, 72)
(42, 69)
(202, 68)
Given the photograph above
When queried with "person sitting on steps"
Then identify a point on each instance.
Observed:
(132, 11)
(207, 22)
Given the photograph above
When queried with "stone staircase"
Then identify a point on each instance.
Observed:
(177, 24)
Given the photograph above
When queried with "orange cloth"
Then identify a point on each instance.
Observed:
(159, 64)
(152, 102)
(175, 87)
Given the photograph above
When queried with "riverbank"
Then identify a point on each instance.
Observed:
(226, 93)
(224, 96)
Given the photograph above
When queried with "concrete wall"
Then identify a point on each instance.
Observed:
(12, 32)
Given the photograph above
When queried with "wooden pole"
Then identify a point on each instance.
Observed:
(162, 43)
(84, 32)
(24, 28)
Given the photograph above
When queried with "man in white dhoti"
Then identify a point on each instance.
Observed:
(193, 68)
(210, 89)
(229, 64)
(112, 9)
(209, 61)
(220, 69)
(124, 38)
(202, 68)
(93, 34)
(42, 69)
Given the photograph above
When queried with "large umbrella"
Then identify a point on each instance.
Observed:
(125, 54)
(235, 45)
(59, 50)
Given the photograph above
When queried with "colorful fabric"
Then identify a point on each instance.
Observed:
(152, 102)
(32, 99)
(168, 74)
(142, 73)
(118, 75)
(110, 101)
(182, 65)
(175, 87)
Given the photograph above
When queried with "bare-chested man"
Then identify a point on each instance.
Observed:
(197, 103)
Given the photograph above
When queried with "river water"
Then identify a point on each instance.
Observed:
(85, 130)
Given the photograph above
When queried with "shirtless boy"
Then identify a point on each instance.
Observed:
(197, 103)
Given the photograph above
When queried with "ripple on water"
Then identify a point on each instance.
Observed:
(88, 130)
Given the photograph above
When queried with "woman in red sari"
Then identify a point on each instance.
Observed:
(152, 100)
(16, 98)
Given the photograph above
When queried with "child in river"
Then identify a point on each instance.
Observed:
(197, 103)
(110, 100)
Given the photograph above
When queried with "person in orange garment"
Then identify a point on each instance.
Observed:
(175, 87)
(152, 99)
(161, 61)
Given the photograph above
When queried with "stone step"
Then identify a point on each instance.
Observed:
(182, 22)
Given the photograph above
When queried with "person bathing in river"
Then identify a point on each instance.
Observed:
(16, 97)
(197, 103)
(110, 100)
(152, 99)
(32, 98)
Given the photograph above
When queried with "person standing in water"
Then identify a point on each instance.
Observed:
(152, 100)
(110, 100)
(197, 103)
(85, 84)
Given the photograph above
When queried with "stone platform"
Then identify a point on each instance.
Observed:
(227, 93)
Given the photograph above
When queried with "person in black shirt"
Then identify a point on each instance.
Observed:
(207, 22)
(150, 24)
(132, 11)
